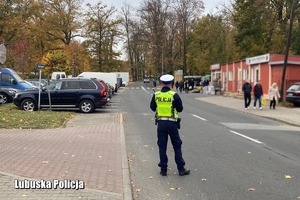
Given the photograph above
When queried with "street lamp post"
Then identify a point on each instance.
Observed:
(287, 49)
(73, 63)
(162, 63)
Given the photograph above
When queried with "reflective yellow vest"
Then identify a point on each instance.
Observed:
(164, 102)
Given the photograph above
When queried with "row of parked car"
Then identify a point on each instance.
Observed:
(85, 94)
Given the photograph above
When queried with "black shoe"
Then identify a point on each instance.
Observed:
(163, 173)
(185, 172)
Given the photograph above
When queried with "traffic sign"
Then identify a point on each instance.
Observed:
(40, 66)
(2, 54)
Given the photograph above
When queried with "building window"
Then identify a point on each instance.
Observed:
(230, 75)
(246, 74)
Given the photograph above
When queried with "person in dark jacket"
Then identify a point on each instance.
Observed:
(154, 83)
(247, 89)
(258, 92)
(186, 86)
(181, 84)
(177, 85)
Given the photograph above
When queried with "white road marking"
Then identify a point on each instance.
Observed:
(199, 117)
(249, 126)
(144, 89)
(244, 136)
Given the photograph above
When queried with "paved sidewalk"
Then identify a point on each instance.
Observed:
(90, 149)
(282, 114)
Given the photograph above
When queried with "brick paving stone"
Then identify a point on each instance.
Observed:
(87, 149)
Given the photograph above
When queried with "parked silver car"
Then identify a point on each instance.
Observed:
(7, 94)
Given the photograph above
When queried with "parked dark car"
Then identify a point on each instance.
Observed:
(111, 88)
(82, 93)
(293, 94)
(7, 94)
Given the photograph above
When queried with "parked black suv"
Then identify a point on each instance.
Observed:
(7, 94)
(85, 94)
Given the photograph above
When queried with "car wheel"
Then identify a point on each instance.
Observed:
(28, 105)
(3, 98)
(86, 106)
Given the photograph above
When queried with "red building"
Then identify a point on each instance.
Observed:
(266, 68)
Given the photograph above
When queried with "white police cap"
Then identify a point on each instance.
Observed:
(167, 79)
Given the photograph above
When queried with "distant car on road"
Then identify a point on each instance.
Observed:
(7, 94)
(146, 80)
(293, 94)
(82, 93)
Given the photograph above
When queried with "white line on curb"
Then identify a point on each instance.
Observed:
(244, 136)
(199, 117)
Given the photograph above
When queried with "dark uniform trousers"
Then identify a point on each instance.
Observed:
(165, 129)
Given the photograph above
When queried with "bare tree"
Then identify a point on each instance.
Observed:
(127, 22)
(186, 11)
(153, 15)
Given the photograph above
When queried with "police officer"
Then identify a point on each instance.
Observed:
(167, 103)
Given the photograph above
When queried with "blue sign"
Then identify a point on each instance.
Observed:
(40, 66)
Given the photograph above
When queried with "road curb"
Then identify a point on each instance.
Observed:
(127, 190)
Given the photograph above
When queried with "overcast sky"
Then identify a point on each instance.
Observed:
(210, 5)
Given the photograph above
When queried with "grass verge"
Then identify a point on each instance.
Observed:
(286, 104)
(13, 117)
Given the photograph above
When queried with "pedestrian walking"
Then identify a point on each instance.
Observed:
(154, 83)
(167, 104)
(273, 95)
(186, 86)
(258, 92)
(177, 85)
(191, 84)
(181, 86)
(247, 89)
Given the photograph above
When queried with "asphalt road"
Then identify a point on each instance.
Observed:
(232, 155)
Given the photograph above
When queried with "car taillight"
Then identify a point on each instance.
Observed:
(297, 93)
(103, 91)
